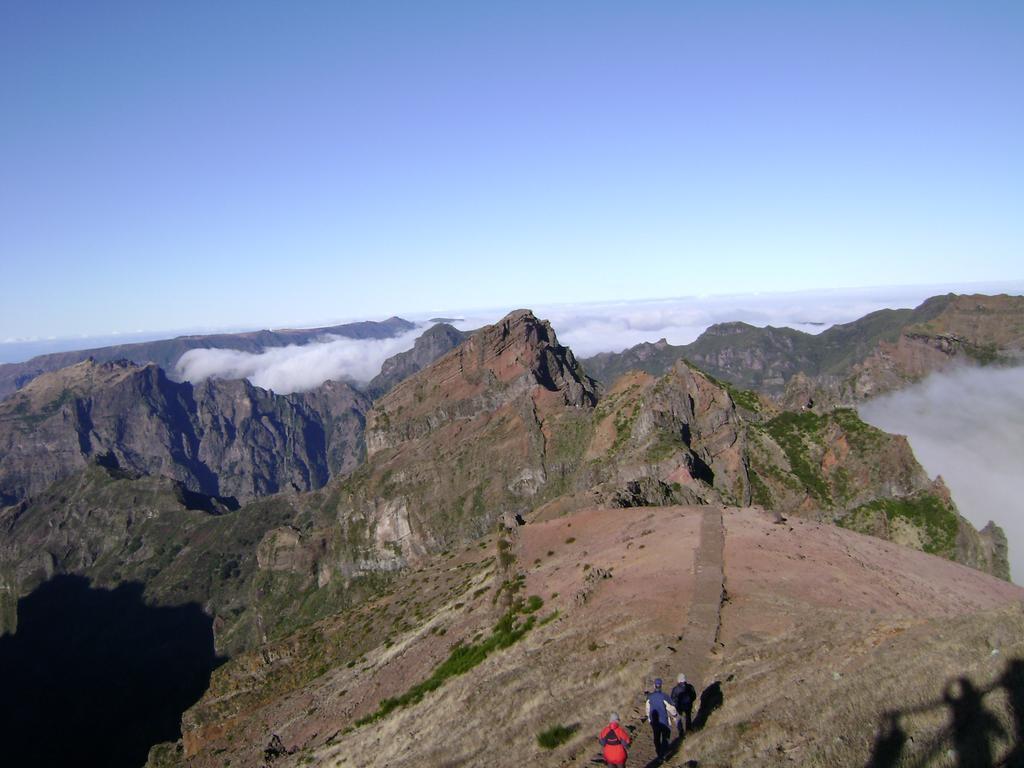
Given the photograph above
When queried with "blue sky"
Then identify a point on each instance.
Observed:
(170, 165)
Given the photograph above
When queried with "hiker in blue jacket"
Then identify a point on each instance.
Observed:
(660, 713)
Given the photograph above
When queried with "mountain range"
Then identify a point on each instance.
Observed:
(485, 502)
(848, 362)
(166, 353)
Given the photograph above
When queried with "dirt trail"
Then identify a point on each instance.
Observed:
(705, 614)
(699, 638)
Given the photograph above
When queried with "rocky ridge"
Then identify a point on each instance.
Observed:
(502, 429)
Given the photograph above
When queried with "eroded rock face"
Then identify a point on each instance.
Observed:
(987, 550)
(220, 438)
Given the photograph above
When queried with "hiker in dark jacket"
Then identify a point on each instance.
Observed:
(683, 696)
(659, 710)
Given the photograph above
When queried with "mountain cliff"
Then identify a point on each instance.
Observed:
(219, 438)
(472, 440)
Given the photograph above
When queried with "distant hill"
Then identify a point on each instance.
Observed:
(879, 352)
(165, 353)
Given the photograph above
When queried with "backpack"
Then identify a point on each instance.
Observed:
(612, 738)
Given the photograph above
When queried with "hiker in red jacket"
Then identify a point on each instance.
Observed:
(615, 741)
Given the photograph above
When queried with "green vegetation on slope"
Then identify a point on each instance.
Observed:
(861, 436)
(463, 657)
(927, 512)
(556, 735)
(792, 431)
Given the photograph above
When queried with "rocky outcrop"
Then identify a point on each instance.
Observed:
(219, 438)
(432, 344)
(498, 365)
(987, 550)
(681, 430)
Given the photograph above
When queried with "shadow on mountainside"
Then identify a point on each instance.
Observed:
(95, 677)
(973, 732)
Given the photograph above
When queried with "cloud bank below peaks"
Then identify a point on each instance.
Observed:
(967, 426)
(296, 368)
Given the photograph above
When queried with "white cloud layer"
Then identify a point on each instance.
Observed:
(968, 426)
(296, 368)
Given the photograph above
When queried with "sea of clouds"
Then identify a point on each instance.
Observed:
(296, 368)
(968, 426)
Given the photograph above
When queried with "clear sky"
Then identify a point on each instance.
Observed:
(179, 164)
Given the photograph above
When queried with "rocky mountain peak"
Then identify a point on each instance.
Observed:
(496, 365)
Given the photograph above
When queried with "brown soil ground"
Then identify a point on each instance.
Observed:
(822, 631)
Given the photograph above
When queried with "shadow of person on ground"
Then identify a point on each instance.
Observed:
(973, 732)
(889, 742)
(1012, 682)
(974, 727)
(711, 698)
(96, 677)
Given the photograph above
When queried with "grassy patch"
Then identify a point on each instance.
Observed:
(759, 493)
(463, 657)
(744, 398)
(984, 354)
(927, 512)
(556, 735)
(861, 436)
(624, 421)
(666, 444)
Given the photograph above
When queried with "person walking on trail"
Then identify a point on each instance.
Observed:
(683, 696)
(659, 710)
(614, 742)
